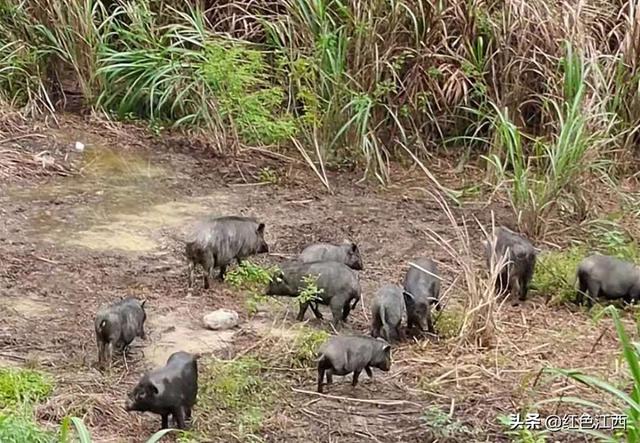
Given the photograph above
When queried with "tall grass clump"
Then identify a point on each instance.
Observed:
(629, 402)
(182, 73)
(537, 183)
(477, 325)
(234, 395)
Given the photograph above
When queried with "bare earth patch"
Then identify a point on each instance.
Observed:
(113, 229)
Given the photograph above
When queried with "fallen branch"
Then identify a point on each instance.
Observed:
(358, 400)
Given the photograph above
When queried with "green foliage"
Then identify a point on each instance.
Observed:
(239, 391)
(20, 390)
(555, 273)
(448, 323)
(23, 385)
(535, 189)
(268, 175)
(443, 425)
(305, 346)
(85, 436)
(310, 292)
(522, 435)
(631, 402)
(249, 275)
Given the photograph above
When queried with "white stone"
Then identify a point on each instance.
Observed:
(221, 319)
(79, 146)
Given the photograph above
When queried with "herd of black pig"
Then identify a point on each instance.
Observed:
(218, 242)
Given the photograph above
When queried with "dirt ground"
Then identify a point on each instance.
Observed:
(107, 223)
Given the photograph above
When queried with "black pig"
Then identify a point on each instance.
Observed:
(339, 284)
(518, 271)
(386, 313)
(421, 292)
(217, 242)
(117, 325)
(609, 278)
(344, 354)
(170, 390)
(347, 253)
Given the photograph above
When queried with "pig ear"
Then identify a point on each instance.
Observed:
(354, 247)
(143, 302)
(386, 348)
(260, 229)
(408, 295)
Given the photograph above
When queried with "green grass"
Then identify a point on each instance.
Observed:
(252, 280)
(522, 435)
(310, 292)
(305, 346)
(555, 273)
(627, 398)
(444, 426)
(20, 391)
(448, 323)
(236, 394)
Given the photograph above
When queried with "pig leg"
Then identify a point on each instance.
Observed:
(316, 311)
(321, 371)
(101, 350)
(223, 270)
(376, 324)
(336, 313)
(346, 309)
(191, 269)
(368, 371)
(303, 310)
(593, 293)
(329, 376)
(430, 327)
(582, 288)
(165, 420)
(178, 415)
(356, 374)
(110, 353)
(188, 413)
(210, 264)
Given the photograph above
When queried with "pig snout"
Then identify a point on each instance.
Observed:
(129, 404)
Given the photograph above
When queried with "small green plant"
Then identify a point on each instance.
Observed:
(305, 346)
(448, 323)
(555, 274)
(85, 436)
(239, 390)
(630, 401)
(20, 390)
(443, 425)
(611, 240)
(268, 175)
(310, 291)
(22, 385)
(249, 276)
(522, 435)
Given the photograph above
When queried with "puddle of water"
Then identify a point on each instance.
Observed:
(137, 232)
(186, 334)
(105, 162)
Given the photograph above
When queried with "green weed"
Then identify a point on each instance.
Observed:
(20, 391)
(555, 273)
(305, 346)
(522, 435)
(248, 275)
(443, 425)
(268, 175)
(310, 292)
(629, 401)
(238, 391)
(449, 322)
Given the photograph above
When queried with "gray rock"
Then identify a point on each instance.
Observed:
(221, 319)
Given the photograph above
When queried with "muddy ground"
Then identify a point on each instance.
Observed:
(111, 227)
